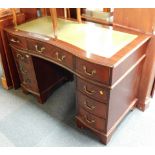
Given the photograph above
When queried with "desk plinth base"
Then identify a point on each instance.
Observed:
(144, 105)
(104, 138)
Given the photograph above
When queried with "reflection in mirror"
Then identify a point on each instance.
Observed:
(98, 15)
(7, 11)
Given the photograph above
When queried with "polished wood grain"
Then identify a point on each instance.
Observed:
(51, 52)
(139, 41)
(126, 64)
(93, 71)
(7, 79)
(98, 93)
(17, 41)
(94, 107)
(123, 95)
(148, 76)
(32, 73)
(30, 13)
(140, 19)
(91, 120)
(109, 84)
(26, 70)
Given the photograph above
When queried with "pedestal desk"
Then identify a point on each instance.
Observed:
(106, 63)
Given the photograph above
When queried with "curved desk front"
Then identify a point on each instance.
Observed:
(106, 64)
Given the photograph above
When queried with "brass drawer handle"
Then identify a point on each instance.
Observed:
(14, 41)
(89, 121)
(20, 56)
(89, 107)
(90, 92)
(86, 72)
(39, 50)
(60, 58)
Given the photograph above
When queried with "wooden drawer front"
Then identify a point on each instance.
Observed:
(52, 52)
(92, 106)
(93, 91)
(26, 71)
(91, 120)
(93, 71)
(17, 41)
(63, 57)
(39, 47)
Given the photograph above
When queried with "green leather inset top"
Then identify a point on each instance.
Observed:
(89, 37)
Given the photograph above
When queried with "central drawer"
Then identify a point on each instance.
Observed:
(50, 51)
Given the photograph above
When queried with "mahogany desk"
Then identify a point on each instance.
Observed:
(106, 64)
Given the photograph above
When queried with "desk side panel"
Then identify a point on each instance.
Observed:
(121, 69)
(123, 96)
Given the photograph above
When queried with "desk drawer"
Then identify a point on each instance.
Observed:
(17, 41)
(63, 57)
(39, 47)
(51, 51)
(93, 71)
(91, 106)
(91, 120)
(93, 91)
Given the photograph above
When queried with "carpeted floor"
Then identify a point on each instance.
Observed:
(24, 122)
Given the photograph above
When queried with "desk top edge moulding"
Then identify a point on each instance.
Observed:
(104, 60)
(89, 38)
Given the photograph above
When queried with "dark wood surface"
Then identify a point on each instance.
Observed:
(26, 70)
(109, 84)
(92, 71)
(128, 18)
(116, 58)
(92, 106)
(142, 20)
(91, 120)
(148, 76)
(98, 93)
(30, 13)
(112, 85)
(37, 76)
(17, 41)
(6, 78)
(51, 52)
(7, 81)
